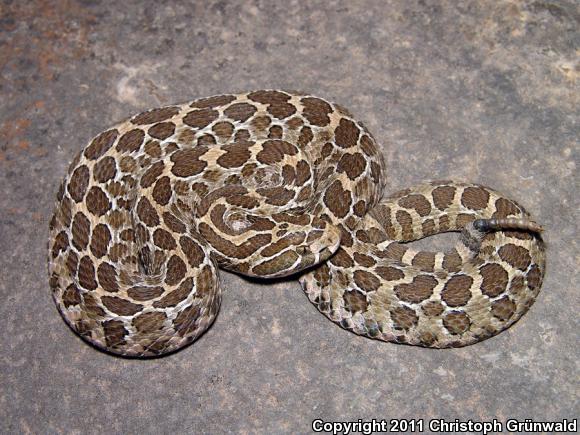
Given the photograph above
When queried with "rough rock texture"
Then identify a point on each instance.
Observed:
(480, 91)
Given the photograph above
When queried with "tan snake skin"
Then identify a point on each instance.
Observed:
(268, 184)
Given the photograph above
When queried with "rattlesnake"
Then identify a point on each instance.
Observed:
(269, 184)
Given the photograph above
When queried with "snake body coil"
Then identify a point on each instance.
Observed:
(268, 184)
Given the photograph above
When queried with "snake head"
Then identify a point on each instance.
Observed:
(319, 246)
(265, 245)
(298, 248)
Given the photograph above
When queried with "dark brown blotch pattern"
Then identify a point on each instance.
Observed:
(86, 273)
(186, 322)
(97, 201)
(505, 208)
(366, 281)
(281, 110)
(306, 137)
(101, 144)
(433, 308)
(173, 223)
(337, 199)
(322, 275)
(162, 191)
(235, 155)
(346, 134)
(368, 146)
(457, 290)
(155, 115)
(120, 306)
(406, 221)
(424, 261)
(404, 318)
(240, 111)
(105, 169)
(176, 269)
(71, 296)
(355, 301)
(213, 102)
(316, 111)
(443, 196)
(100, 240)
(503, 308)
(147, 213)
(475, 198)
(516, 256)
(200, 118)
(162, 130)
(273, 151)
(176, 296)
(115, 333)
(417, 202)
(452, 261)
(205, 282)
(418, 290)
(303, 173)
(456, 322)
(352, 164)
(192, 251)
(342, 259)
(107, 276)
(275, 132)
(495, 279)
(186, 163)
(534, 277)
(364, 260)
(163, 239)
(223, 129)
(150, 322)
(143, 293)
(80, 231)
(78, 183)
(131, 141)
(72, 262)
(389, 273)
(152, 174)
(91, 306)
(60, 244)
(269, 97)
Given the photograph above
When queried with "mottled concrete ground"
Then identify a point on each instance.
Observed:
(484, 91)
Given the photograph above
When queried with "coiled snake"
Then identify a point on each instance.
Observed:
(269, 184)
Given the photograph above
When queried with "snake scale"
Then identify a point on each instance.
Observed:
(269, 184)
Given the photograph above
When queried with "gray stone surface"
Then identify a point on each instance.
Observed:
(484, 91)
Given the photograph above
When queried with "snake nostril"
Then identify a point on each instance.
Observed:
(301, 250)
